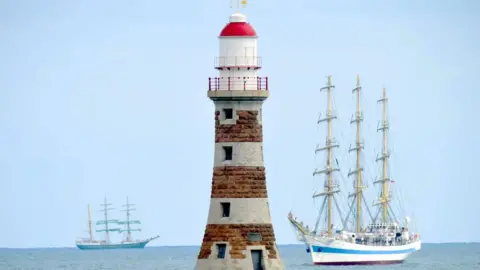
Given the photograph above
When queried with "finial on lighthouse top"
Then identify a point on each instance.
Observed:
(238, 25)
(243, 3)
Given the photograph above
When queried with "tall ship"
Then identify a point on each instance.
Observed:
(361, 236)
(112, 226)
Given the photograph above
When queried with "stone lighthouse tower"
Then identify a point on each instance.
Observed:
(239, 232)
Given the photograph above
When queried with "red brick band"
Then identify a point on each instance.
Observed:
(246, 129)
(237, 236)
(239, 182)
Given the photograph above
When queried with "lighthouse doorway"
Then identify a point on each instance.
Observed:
(257, 260)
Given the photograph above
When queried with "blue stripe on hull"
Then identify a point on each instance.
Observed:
(359, 263)
(112, 246)
(318, 249)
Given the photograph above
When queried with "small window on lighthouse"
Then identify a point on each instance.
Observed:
(225, 209)
(221, 251)
(254, 237)
(228, 152)
(228, 113)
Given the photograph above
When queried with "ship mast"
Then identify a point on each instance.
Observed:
(385, 194)
(129, 233)
(127, 222)
(329, 155)
(358, 195)
(90, 224)
(329, 188)
(106, 221)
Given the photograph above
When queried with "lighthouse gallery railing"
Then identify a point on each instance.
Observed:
(237, 83)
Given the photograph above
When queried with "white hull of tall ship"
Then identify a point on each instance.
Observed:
(328, 251)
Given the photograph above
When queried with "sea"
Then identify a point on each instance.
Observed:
(431, 256)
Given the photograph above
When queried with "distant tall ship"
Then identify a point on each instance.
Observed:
(384, 239)
(127, 242)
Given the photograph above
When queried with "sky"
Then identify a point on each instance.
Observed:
(108, 98)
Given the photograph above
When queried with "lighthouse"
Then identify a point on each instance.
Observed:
(239, 232)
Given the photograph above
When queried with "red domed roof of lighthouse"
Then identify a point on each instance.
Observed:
(238, 27)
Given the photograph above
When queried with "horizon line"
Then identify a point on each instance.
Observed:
(153, 246)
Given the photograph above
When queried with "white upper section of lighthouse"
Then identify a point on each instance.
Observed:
(238, 60)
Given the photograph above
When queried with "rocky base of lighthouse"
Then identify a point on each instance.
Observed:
(244, 187)
(238, 248)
